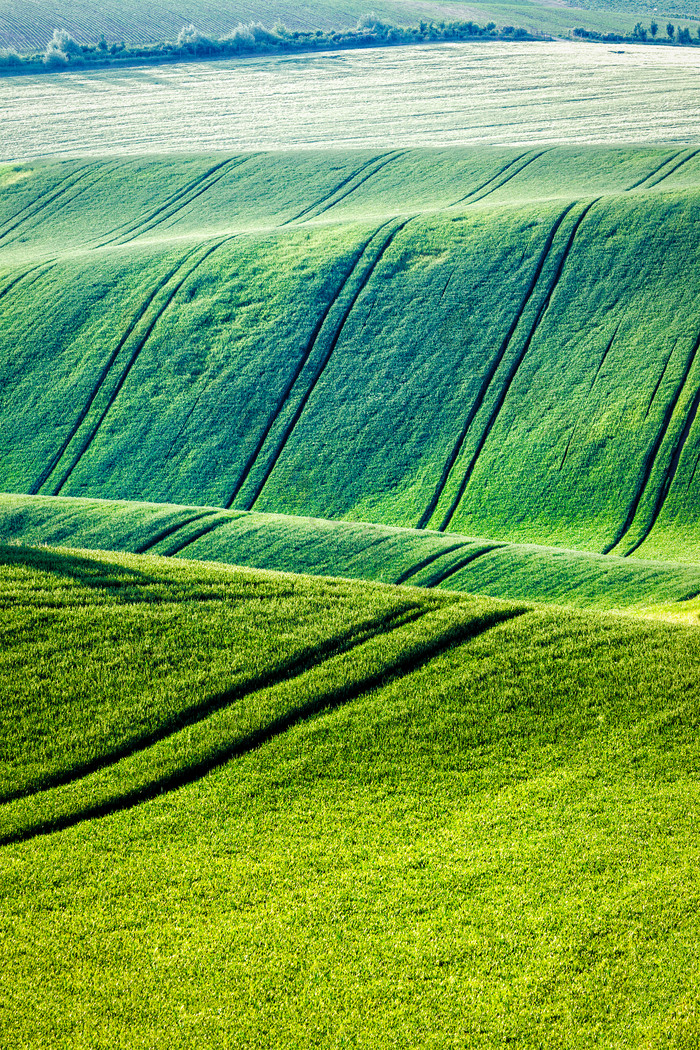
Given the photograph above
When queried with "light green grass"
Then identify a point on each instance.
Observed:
(498, 845)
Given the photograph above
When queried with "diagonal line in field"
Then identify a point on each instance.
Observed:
(487, 182)
(333, 341)
(440, 577)
(125, 230)
(310, 657)
(370, 174)
(137, 350)
(20, 277)
(509, 176)
(41, 202)
(488, 378)
(607, 350)
(650, 460)
(651, 174)
(516, 365)
(172, 529)
(328, 701)
(674, 168)
(415, 569)
(172, 551)
(336, 189)
(55, 459)
(164, 215)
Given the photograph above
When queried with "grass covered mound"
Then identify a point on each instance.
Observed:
(495, 840)
(497, 343)
(418, 557)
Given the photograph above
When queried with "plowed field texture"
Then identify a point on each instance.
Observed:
(350, 552)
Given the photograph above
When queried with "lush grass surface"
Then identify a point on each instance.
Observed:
(504, 350)
(496, 845)
(355, 550)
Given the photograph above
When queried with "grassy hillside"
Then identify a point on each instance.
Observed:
(455, 837)
(495, 343)
(355, 550)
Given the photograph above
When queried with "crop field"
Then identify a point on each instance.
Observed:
(496, 343)
(26, 26)
(401, 96)
(366, 814)
(350, 551)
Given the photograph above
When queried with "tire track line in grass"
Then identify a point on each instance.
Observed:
(175, 209)
(489, 377)
(440, 577)
(515, 366)
(291, 382)
(16, 280)
(659, 381)
(311, 657)
(650, 175)
(164, 533)
(55, 459)
(652, 456)
(124, 230)
(483, 185)
(511, 175)
(304, 213)
(172, 551)
(325, 698)
(78, 176)
(137, 351)
(390, 160)
(18, 217)
(336, 330)
(415, 569)
(674, 169)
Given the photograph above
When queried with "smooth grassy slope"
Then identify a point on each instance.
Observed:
(510, 353)
(472, 845)
(356, 550)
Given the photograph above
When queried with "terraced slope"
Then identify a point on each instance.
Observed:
(495, 343)
(273, 809)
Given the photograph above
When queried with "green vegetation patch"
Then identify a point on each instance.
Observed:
(498, 843)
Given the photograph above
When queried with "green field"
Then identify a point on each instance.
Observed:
(337, 813)
(350, 551)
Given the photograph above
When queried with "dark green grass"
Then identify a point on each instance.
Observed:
(518, 366)
(352, 549)
(498, 845)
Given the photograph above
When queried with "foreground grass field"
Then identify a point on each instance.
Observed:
(490, 835)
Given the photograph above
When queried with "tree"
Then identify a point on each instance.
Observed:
(684, 36)
(670, 30)
(653, 29)
(639, 32)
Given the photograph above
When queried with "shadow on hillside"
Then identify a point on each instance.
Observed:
(91, 572)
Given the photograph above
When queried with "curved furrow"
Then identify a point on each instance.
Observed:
(43, 202)
(607, 350)
(675, 168)
(171, 530)
(515, 367)
(370, 175)
(305, 212)
(172, 551)
(439, 577)
(655, 171)
(379, 656)
(126, 229)
(509, 176)
(289, 386)
(483, 185)
(652, 456)
(493, 368)
(20, 277)
(135, 354)
(20, 217)
(388, 240)
(415, 569)
(164, 215)
(56, 458)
